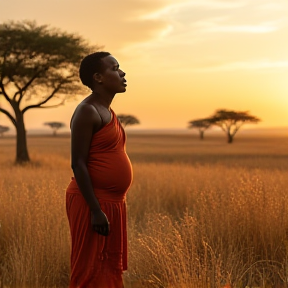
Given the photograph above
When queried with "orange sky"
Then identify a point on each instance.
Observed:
(183, 59)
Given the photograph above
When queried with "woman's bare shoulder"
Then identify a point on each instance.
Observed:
(85, 113)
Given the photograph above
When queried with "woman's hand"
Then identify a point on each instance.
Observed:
(100, 223)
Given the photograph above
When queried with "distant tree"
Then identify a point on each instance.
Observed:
(127, 120)
(37, 64)
(3, 129)
(55, 126)
(201, 125)
(231, 121)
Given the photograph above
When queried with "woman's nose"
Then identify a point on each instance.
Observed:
(122, 73)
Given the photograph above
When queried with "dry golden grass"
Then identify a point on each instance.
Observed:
(201, 214)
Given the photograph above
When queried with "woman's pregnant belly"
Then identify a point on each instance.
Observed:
(110, 171)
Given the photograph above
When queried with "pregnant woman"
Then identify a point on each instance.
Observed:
(95, 198)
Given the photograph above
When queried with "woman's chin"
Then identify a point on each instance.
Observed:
(123, 89)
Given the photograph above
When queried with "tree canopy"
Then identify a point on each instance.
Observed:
(201, 125)
(231, 121)
(55, 126)
(38, 64)
(127, 120)
(3, 129)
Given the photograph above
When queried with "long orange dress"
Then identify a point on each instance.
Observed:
(98, 261)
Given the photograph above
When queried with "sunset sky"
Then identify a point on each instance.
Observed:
(183, 59)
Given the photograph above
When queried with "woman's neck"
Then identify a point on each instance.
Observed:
(100, 99)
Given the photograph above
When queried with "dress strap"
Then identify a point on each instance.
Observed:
(99, 115)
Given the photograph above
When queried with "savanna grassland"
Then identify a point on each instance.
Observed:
(202, 214)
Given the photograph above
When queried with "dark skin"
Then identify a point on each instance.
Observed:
(85, 122)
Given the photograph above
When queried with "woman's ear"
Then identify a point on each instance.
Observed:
(97, 77)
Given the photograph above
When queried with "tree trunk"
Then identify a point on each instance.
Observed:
(22, 155)
(201, 135)
(230, 138)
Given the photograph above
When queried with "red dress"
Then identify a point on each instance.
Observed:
(98, 261)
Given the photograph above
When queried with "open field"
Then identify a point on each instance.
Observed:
(201, 213)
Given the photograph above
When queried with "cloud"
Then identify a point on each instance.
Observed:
(212, 16)
(213, 26)
(272, 6)
(252, 65)
(180, 6)
(111, 23)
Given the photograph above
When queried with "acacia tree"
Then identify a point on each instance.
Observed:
(3, 129)
(128, 120)
(231, 121)
(201, 125)
(55, 126)
(38, 65)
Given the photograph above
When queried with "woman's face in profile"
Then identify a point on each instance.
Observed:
(112, 76)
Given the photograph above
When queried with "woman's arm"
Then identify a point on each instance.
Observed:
(83, 124)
